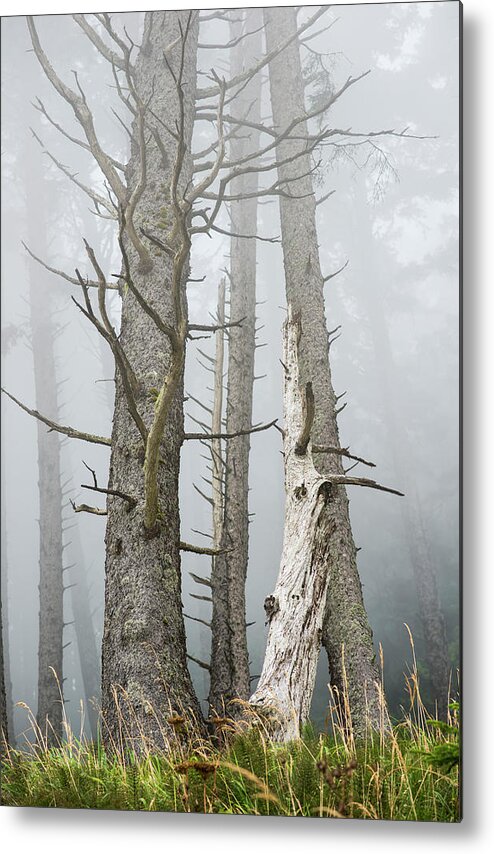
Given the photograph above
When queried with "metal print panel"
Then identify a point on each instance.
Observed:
(230, 468)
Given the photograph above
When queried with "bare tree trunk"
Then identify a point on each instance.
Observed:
(220, 634)
(51, 620)
(89, 658)
(347, 635)
(436, 647)
(230, 658)
(295, 610)
(144, 667)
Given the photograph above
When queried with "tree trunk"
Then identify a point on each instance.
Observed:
(144, 668)
(295, 610)
(51, 620)
(84, 630)
(347, 635)
(229, 657)
(436, 647)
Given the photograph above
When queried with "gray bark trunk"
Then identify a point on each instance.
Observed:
(436, 647)
(347, 635)
(144, 668)
(229, 657)
(51, 621)
(89, 658)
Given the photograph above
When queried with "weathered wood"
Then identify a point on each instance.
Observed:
(295, 611)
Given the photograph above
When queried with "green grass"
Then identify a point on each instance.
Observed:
(407, 774)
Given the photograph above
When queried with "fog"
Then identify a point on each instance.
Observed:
(393, 217)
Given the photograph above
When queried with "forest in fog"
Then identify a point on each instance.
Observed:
(230, 289)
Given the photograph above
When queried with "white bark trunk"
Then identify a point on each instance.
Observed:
(295, 611)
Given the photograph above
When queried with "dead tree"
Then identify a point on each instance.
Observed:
(346, 635)
(76, 579)
(230, 658)
(296, 608)
(43, 333)
(144, 674)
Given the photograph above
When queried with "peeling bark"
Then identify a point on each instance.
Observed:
(345, 625)
(144, 666)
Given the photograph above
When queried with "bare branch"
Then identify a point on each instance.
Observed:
(199, 550)
(82, 113)
(199, 662)
(86, 508)
(342, 452)
(63, 275)
(231, 43)
(105, 51)
(132, 502)
(362, 481)
(197, 620)
(59, 428)
(198, 327)
(98, 199)
(212, 91)
(208, 436)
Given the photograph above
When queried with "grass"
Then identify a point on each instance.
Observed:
(406, 773)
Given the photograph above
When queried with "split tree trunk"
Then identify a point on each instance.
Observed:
(347, 635)
(295, 610)
(144, 667)
(229, 656)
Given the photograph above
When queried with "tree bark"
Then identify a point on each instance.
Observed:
(144, 668)
(295, 610)
(347, 635)
(229, 657)
(51, 618)
(89, 657)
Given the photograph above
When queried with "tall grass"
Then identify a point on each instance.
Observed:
(406, 772)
